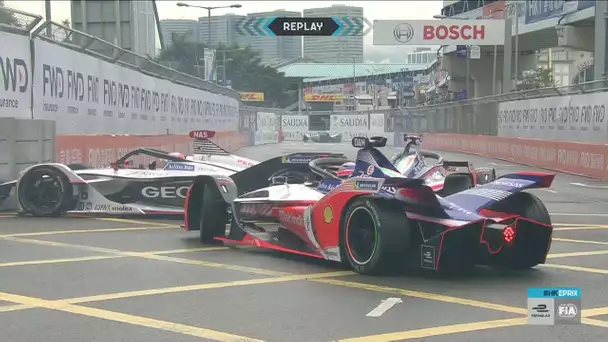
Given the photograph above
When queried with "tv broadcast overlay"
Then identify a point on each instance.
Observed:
(298, 26)
(439, 32)
(554, 305)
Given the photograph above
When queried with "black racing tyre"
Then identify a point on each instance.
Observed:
(45, 191)
(486, 176)
(455, 183)
(305, 138)
(522, 254)
(374, 236)
(77, 166)
(213, 217)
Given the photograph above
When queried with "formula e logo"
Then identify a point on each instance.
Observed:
(165, 192)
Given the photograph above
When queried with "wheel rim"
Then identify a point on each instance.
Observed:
(42, 189)
(361, 236)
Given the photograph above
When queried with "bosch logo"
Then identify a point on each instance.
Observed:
(165, 192)
(454, 32)
(403, 33)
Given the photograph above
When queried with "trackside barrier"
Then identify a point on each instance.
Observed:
(102, 150)
(570, 157)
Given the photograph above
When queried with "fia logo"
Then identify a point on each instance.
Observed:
(567, 310)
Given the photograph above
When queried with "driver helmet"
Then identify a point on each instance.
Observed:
(177, 154)
(346, 170)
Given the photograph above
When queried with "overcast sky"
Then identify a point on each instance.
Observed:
(372, 10)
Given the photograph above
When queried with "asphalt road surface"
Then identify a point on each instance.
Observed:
(82, 279)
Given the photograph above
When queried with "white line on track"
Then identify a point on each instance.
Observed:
(384, 306)
(501, 165)
(590, 186)
(549, 190)
(578, 214)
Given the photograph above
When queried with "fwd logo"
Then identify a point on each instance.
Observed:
(14, 74)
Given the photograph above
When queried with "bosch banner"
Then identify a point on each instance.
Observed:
(439, 32)
(252, 97)
(294, 122)
(323, 97)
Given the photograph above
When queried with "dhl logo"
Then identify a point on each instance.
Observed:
(252, 97)
(323, 97)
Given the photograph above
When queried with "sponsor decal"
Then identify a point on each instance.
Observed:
(370, 170)
(252, 97)
(328, 214)
(367, 185)
(427, 257)
(296, 159)
(291, 219)
(165, 192)
(294, 122)
(323, 97)
(179, 167)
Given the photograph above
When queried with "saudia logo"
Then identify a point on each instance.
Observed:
(295, 122)
(353, 122)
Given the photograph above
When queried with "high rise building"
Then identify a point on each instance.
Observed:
(422, 55)
(223, 29)
(334, 49)
(130, 24)
(273, 50)
(186, 28)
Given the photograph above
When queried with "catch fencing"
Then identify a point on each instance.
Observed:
(560, 128)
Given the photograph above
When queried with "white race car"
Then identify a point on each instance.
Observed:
(54, 189)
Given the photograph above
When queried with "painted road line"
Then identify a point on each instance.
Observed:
(595, 312)
(442, 330)
(500, 165)
(581, 241)
(595, 322)
(74, 231)
(590, 186)
(579, 214)
(424, 295)
(188, 250)
(15, 307)
(575, 268)
(582, 227)
(549, 190)
(575, 254)
(384, 306)
(198, 287)
(125, 318)
(59, 261)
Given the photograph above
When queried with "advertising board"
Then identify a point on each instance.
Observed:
(15, 76)
(577, 118)
(294, 122)
(252, 97)
(84, 94)
(439, 32)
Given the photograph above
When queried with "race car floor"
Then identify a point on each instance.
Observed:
(104, 279)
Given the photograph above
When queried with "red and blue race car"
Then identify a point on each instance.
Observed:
(377, 220)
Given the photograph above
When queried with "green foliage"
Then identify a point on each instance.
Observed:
(536, 79)
(243, 69)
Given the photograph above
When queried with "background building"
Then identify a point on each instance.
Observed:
(182, 27)
(334, 49)
(129, 24)
(274, 50)
(422, 55)
(223, 29)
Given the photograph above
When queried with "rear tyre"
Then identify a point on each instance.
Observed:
(456, 183)
(485, 176)
(523, 254)
(213, 217)
(45, 191)
(374, 236)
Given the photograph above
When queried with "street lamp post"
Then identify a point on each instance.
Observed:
(209, 9)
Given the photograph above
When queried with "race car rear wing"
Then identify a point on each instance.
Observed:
(203, 146)
(448, 164)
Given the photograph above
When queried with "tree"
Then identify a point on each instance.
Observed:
(6, 17)
(536, 79)
(243, 69)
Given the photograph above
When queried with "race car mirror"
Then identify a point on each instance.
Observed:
(378, 141)
(278, 180)
(360, 142)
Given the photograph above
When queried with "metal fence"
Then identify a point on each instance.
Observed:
(474, 116)
(24, 23)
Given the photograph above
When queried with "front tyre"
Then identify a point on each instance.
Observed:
(374, 236)
(213, 217)
(45, 191)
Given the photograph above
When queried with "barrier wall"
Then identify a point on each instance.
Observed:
(23, 143)
(571, 157)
